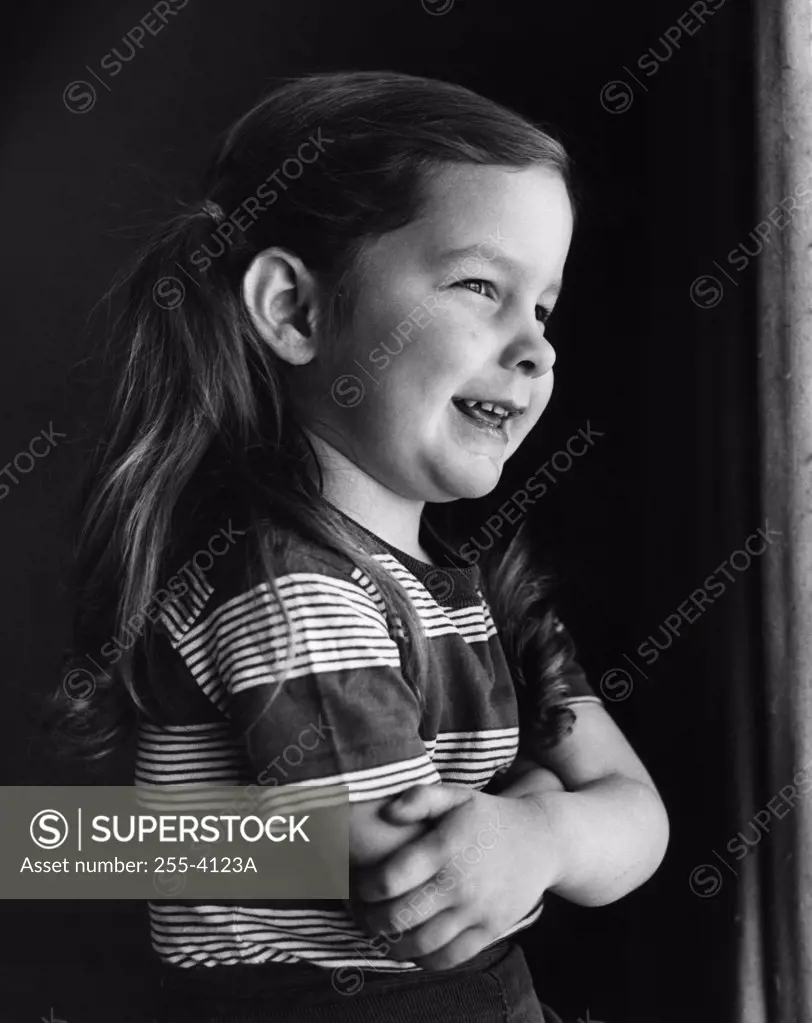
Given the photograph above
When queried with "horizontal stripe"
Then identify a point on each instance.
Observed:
(185, 935)
(345, 715)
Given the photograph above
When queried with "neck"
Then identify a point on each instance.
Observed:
(390, 516)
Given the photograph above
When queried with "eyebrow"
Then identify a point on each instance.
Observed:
(446, 255)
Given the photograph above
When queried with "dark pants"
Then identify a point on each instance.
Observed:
(493, 987)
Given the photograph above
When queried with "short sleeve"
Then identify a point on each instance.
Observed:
(327, 706)
(574, 684)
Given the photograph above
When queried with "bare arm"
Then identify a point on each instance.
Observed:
(607, 824)
(524, 776)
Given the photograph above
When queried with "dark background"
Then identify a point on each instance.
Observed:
(664, 495)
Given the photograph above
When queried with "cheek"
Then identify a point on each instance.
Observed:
(537, 406)
(428, 366)
(541, 398)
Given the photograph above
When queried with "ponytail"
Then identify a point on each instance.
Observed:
(200, 406)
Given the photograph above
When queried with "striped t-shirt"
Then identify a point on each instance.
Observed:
(345, 716)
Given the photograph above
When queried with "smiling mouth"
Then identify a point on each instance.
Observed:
(491, 415)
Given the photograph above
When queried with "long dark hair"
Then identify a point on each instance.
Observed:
(201, 397)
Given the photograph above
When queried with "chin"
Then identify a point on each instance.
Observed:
(458, 487)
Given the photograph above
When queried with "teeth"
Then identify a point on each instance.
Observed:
(488, 406)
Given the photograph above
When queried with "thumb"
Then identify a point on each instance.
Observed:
(427, 802)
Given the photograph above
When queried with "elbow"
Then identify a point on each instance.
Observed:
(653, 830)
(657, 831)
(662, 834)
(655, 835)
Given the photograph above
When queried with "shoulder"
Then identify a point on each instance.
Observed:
(232, 564)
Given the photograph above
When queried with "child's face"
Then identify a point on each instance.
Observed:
(458, 339)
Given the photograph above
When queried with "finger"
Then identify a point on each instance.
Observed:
(413, 865)
(407, 912)
(428, 938)
(426, 802)
(465, 946)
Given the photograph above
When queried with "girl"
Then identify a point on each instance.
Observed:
(351, 324)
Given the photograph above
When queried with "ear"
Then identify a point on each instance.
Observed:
(280, 295)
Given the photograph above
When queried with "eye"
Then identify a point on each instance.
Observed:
(479, 286)
(543, 314)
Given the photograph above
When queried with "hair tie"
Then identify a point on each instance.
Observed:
(213, 210)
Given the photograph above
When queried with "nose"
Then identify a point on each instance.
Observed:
(530, 351)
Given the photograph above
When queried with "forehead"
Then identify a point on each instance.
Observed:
(524, 214)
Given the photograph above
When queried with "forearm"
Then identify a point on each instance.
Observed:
(609, 836)
(525, 777)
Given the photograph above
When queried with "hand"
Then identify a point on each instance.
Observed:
(448, 894)
(402, 810)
